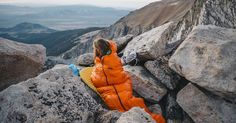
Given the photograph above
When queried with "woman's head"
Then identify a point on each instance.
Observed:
(101, 47)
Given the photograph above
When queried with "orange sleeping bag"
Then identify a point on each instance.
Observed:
(115, 85)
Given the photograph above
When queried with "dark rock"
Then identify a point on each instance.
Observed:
(186, 118)
(173, 110)
(155, 108)
(145, 84)
(160, 69)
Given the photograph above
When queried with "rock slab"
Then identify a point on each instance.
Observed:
(204, 108)
(145, 85)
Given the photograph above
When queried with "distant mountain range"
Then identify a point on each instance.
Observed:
(56, 42)
(60, 17)
(27, 28)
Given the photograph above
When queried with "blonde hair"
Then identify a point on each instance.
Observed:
(101, 47)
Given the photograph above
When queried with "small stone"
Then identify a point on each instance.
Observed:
(135, 115)
(85, 59)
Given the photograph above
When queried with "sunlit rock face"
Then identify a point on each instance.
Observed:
(207, 57)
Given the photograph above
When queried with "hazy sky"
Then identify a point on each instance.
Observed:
(103, 3)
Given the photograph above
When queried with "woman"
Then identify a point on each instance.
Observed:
(112, 82)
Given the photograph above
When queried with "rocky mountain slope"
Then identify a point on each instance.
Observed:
(84, 44)
(187, 71)
(148, 17)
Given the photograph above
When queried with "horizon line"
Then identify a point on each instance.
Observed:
(59, 5)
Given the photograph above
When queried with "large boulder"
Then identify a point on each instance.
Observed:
(19, 61)
(203, 108)
(151, 44)
(135, 115)
(160, 69)
(86, 59)
(53, 96)
(145, 85)
(207, 57)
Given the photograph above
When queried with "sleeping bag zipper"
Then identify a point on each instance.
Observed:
(112, 85)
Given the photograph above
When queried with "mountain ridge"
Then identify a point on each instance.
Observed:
(27, 27)
(56, 42)
(60, 17)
